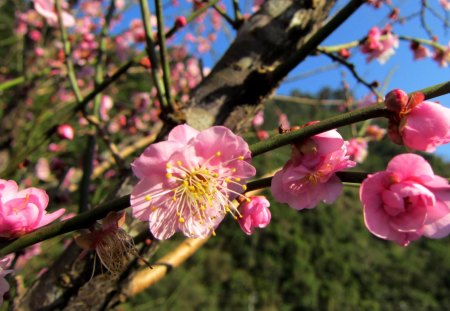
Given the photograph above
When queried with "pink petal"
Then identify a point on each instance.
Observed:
(182, 134)
(154, 159)
(410, 165)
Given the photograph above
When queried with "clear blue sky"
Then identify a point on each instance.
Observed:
(404, 73)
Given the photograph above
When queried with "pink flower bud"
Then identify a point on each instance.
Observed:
(396, 100)
(180, 21)
(254, 214)
(65, 131)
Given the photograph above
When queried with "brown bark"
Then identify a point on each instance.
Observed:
(242, 79)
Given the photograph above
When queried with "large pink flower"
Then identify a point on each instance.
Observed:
(4, 286)
(23, 211)
(406, 201)
(187, 183)
(417, 124)
(309, 177)
(46, 8)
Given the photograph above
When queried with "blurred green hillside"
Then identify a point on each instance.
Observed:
(320, 259)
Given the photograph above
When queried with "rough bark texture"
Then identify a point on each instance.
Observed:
(241, 80)
(230, 95)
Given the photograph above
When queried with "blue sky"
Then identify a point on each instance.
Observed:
(403, 72)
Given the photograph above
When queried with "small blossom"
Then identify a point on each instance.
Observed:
(65, 131)
(180, 21)
(258, 120)
(309, 176)
(187, 183)
(380, 44)
(262, 135)
(4, 286)
(23, 211)
(442, 56)
(419, 51)
(374, 132)
(46, 8)
(418, 124)
(255, 213)
(445, 4)
(406, 201)
(357, 149)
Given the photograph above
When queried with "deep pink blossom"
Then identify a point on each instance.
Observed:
(309, 177)
(406, 201)
(65, 131)
(180, 21)
(357, 149)
(4, 286)
(417, 124)
(23, 211)
(46, 8)
(187, 183)
(379, 44)
(254, 213)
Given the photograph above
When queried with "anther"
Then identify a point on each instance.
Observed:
(148, 198)
(218, 153)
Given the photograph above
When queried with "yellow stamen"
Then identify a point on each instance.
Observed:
(148, 198)
(218, 153)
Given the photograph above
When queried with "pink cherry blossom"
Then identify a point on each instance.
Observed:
(4, 286)
(445, 4)
(105, 106)
(46, 8)
(255, 213)
(417, 124)
(442, 56)
(419, 51)
(23, 211)
(309, 176)
(406, 201)
(187, 183)
(258, 120)
(374, 132)
(380, 44)
(65, 131)
(357, 149)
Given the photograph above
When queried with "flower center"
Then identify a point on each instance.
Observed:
(204, 192)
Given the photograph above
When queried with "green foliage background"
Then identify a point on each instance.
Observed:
(320, 259)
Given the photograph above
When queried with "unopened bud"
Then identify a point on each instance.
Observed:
(396, 100)
(65, 131)
(180, 21)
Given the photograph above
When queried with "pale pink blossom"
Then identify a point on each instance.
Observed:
(417, 124)
(187, 183)
(254, 213)
(406, 201)
(445, 4)
(4, 286)
(442, 56)
(105, 106)
(357, 149)
(374, 132)
(65, 131)
(258, 120)
(419, 51)
(23, 211)
(46, 8)
(42, 169)
(379, 44)
(309, 176)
